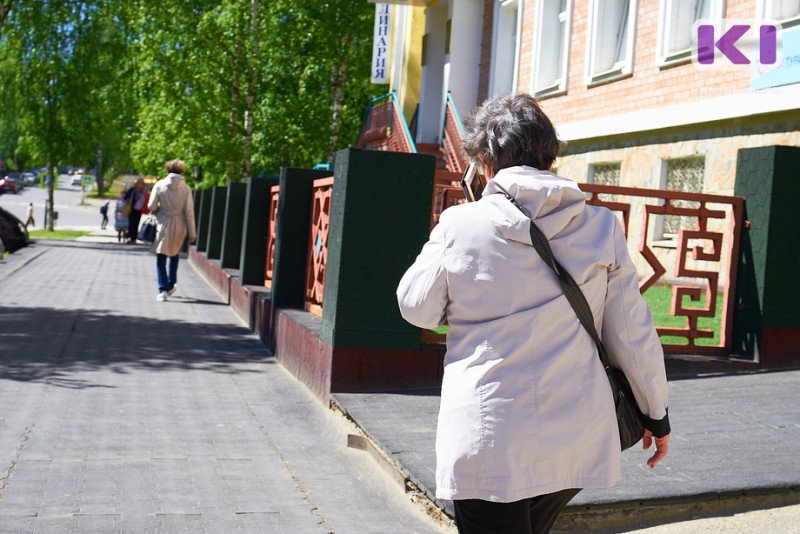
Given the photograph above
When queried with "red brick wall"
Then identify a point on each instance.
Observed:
(649, 86)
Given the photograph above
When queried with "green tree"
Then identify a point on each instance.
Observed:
(238, 88)
(102, 116)
(45, 31)
(317, 80)
(5, 9)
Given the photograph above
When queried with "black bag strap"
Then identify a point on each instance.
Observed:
(568, 284)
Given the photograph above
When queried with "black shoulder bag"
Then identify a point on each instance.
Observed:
(629, 417)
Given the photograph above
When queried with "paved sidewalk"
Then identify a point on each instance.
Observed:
(732, 447)
(124, 414)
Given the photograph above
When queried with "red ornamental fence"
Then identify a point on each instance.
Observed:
(704, 252)
(273, 225)
(318, 243)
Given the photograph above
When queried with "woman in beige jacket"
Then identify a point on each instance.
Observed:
(171, 201)
(527, 416)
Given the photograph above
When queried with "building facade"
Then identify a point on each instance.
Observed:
(619, 78)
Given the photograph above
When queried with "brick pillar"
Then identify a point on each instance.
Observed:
(219, 196)
(380, 217)
(232, 231)
(254, 229)
(767, 317)
(204, 220)
(291, 239)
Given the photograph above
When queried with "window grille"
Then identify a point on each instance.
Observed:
(606, 174)
(686, 175)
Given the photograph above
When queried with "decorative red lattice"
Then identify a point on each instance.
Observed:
(273, 226)
(318, 243)
(723, 248)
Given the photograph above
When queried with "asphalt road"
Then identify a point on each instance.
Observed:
(67, 199)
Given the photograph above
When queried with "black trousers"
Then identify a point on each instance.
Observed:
(133, 225)
(535, 515)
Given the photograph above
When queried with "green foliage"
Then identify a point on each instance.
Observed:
(64, 235)
(237, 88)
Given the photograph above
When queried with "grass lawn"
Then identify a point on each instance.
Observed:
(68, 235)
(659, 299)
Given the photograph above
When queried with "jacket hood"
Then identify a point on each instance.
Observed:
(173, 181)
(551, 200)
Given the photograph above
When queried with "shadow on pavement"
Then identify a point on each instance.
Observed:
(59, 346)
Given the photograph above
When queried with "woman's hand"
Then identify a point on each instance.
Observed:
(662, 447)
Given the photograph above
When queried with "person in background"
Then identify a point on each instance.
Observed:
(30, 220)
(527, 416)
(104, 213)
(171, 202)
(120, 220)
(136, 197)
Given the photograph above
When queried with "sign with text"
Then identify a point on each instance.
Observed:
(729, 42)
(786, 70)
(380, 45)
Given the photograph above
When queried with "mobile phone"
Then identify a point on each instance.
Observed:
(472, 183)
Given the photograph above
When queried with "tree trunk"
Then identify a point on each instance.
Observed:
(338, 79)
(250, 98)
(5, 9)
(50, 179)
(101, 184)
(236, 95)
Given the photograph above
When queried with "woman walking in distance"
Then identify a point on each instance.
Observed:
(135, 197)
(527, 416)
(171, 201)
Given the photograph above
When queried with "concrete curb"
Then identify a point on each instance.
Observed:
(601, 517)
(607, 518)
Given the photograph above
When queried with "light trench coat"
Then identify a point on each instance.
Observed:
(526, 408)
(171, 201)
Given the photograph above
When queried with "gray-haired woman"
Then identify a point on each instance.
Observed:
(527, 417)
(171, 201)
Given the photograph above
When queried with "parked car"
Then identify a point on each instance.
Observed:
(18, 177)
(30, 178)
(76, 179)
(8, 185)
(13, 233)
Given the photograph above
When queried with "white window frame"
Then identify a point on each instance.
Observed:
(500, 5)
(766, 11)
(553, 85)
(668, 57)
(619, 69)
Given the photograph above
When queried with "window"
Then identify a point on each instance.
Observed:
(787, 12)
(605, 174)
(505, 51)
(677, 20)
(611, 51)
(685, 175)
(552, 47)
